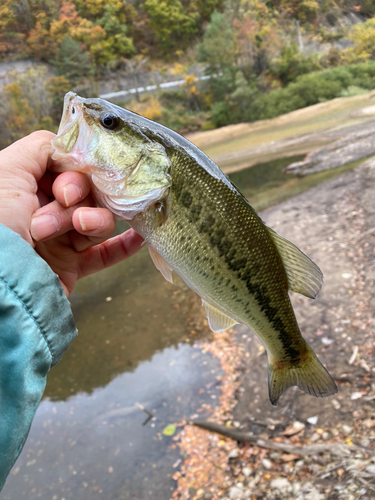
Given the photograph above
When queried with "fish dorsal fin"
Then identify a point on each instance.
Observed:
(304, 276)
(218, 321)
(160, 264)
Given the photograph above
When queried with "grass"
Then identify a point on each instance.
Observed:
(265, 184)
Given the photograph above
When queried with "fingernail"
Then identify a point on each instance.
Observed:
(44, 226)
(90, 220)
(72, 193)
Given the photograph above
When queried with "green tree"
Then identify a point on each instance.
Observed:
(116, 30)
(73, 62)
(218, 48)
(291, 64)
(57, 87)
(174, 23)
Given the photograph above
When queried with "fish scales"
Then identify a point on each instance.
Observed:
(220, 246)
(198, 224)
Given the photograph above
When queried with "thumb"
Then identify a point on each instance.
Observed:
(29, 155)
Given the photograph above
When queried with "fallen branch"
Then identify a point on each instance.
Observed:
(315, 449)
(141, 407)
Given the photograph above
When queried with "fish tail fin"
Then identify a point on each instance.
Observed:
(308, 374)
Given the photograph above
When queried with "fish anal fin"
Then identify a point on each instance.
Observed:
(217, 320)
(304, 276)
(308, 374)
(160, 264)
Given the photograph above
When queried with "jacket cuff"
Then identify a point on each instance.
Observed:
(29, 278)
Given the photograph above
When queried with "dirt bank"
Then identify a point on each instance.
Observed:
(334, 224)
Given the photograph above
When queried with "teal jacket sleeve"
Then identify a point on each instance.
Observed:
(36, 327)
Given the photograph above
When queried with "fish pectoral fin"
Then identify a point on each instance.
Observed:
(308, 374)
(218, 321)
(160, 264)
(304, 276)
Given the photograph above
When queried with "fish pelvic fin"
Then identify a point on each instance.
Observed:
(308, 374)
(160, 264)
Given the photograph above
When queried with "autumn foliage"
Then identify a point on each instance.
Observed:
(249, 48)
(108, 30)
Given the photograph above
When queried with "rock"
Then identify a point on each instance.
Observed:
(355, 143)
(335, 404)
(281, 484)
(347, 429)
(275, 455)
(365, 442)
(370, 469)
(296, 488)
(315, 437)
(312, 420)
(314, 494)
(326, 435)
(287, 468)
(298, 425)
(369, 423)
(327, 341)
(235, 493)
(267, 464)
(233, 453)
(246, 471)
(293, 429)
(356, 395)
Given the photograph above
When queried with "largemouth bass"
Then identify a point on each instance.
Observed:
(195, 222)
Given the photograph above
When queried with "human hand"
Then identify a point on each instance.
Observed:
(57, 215)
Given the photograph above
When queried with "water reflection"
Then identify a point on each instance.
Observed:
(124, 315)
(94, 446)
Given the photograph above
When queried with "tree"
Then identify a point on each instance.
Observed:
(113, 23)
(39, 38)
(173, 23)
(11, 36)
(218, 48)
(257, 37)
(25, 105)
(291, 64)
(72, 61)
(57, 87)
(363, 39)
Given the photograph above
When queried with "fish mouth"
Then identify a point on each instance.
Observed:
(74, 138)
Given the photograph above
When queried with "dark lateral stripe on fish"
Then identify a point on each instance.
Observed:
(226, 251)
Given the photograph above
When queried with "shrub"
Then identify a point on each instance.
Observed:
(307, 90)
(317, 87)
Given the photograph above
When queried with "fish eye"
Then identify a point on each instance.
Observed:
(109, 121)
(73, 110)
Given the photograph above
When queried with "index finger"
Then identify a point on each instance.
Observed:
(109, 253)
(30, 154)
